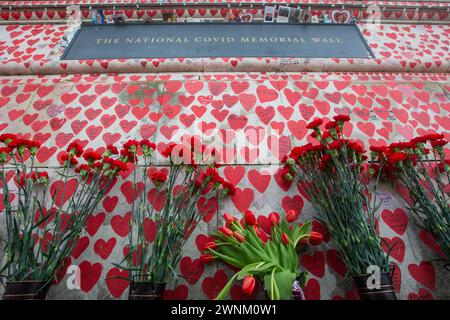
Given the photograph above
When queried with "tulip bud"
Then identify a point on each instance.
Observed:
(210, 245)
(274, 219)
(206, 258)
(248, 285)
(263, 236)
(315, 238)
(291, 216)
(257, 230)
(226, 231)
(228, 218)
(249, 218)
(239, 237)
(285, 238)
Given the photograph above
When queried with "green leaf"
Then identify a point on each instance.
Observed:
(279, 284)
(222, 294)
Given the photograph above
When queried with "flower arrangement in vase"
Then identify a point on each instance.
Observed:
(419, 166)
(335, 176)
(271, 259)
(182, 194)
(43, 221)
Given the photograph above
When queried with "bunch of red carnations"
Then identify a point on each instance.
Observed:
(333, 172)
(43, 220)
(420, 167)
(171, 202)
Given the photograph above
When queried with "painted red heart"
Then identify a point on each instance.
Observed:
(315, 263)
(104, 248)
(181, 292)
(213, 285)
(259, 179)
(121, 225)
(292, 203)
(423, 273)
(94, 222)
(89, 275)
(429, 240)
(191, 270)
(114, 282)
(242, 198)
(422, 294)
(397, 220)
(61, 192)
(312, 290)
(396, 246)
(336, 263)
(129, 192)
(80, 247)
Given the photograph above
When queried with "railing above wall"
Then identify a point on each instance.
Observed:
(54, 11)
(35, 3)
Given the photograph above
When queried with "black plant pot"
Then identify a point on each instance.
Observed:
(26, 290)
(384, 292)
(146, 290)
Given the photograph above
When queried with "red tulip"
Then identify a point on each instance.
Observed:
(285, 238)
(239, 237)
(206, 258)
(263, 236)
(291, 216)
(228, 218)
(274, 219)
(315, 238)
(210, 245)
(249, 218)
(226, 231)
(248, 285)
(257, 230)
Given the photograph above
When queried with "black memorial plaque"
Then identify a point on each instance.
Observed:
(201, 40)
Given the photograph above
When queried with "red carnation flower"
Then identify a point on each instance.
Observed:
(91, 156)
(438, 143)
(112, 149)
(396, 157)
(434, 136)
(167, 152)
(65, 158)
(75, 148)
(341, 118)
(131, 146)
(5, 150)
(330, 125)
(19, 143)
(356, 147)
(6, 138)
(336, 144)
(228, 188)
(378, 149)
(314, 124)
(157, 176)
(147, 144)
